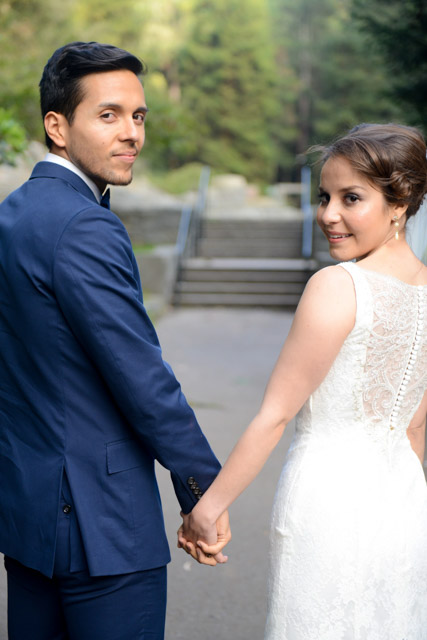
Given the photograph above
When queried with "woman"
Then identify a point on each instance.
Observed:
(349, 528)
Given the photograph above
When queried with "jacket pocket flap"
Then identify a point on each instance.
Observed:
(123, 455)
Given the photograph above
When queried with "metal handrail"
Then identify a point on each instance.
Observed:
(183, 229)
(307, 210)
(190, 224)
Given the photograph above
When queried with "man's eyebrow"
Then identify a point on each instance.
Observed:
(113, 105)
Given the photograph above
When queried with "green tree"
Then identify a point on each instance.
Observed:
(243, 85)
(398, 30)
(336, 83)
(29, 32)
(12, 138)
(228, 87)
(118, 23)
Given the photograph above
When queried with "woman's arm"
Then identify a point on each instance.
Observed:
(417, 429)
(324, 318)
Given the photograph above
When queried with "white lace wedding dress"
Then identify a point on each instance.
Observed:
(348, 557)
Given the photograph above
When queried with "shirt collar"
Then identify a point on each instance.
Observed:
(52, 157)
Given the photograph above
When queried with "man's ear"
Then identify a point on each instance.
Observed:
(56, 126)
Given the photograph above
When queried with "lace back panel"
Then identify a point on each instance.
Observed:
(395, 371)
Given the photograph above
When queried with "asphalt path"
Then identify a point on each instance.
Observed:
(223, 359)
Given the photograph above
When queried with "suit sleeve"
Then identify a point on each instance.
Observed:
(96, 283)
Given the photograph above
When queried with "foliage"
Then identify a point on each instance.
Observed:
(177, 181)
(228, 86)
(12, 138)
(398, 30)
(168, 143)
(335, 84)
(243, 85)
(29, 32)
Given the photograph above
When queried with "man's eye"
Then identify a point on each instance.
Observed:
(107, 116)
(140, 117)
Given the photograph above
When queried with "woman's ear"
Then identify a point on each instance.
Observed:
(398, 211)
(56, 125)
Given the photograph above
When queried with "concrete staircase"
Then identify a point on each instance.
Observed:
(250, 239)
(245, 263)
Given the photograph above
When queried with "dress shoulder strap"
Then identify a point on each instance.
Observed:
(364, 302)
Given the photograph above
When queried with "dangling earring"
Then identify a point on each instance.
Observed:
(396, 230)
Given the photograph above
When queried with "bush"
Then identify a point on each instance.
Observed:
(13, 140)
(178, 181)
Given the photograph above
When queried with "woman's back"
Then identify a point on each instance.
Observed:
(380, 375)
(350, 514)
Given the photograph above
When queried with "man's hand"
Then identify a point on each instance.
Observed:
(202, 540)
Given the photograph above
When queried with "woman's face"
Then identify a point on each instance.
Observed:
(354, 216)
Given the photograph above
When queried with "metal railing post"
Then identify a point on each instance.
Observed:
(190, 223)
(307, 209)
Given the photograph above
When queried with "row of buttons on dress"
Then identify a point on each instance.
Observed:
(412, 359)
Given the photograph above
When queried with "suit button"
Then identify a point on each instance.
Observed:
(66, 508)
(190, 481)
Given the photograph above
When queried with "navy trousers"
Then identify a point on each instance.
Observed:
(72, 605)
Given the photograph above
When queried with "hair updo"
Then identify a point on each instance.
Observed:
(391, 156)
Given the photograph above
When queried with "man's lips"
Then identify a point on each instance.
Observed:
(128, 156)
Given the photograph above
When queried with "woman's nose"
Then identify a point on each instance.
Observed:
(329, 213)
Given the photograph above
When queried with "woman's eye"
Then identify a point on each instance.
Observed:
(351, 198)
(323, 198)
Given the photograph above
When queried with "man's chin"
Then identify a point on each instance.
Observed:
(121, 181)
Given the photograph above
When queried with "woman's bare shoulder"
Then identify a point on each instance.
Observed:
(330, 297)
(331, 280)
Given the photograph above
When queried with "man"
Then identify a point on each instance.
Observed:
(87, 403)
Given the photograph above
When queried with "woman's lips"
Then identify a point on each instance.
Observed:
(337, 237)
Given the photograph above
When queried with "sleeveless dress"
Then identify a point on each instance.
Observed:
(348, 552)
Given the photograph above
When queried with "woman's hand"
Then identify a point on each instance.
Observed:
(203, 539)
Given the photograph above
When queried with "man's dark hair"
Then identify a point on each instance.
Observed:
(60, 85)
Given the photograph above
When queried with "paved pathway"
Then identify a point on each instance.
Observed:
(223, 359)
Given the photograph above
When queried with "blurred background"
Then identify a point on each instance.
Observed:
(220, 210)
(244, 86)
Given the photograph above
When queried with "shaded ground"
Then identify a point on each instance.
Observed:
(223, 359)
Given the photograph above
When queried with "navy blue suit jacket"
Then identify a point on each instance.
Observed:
(83, 386)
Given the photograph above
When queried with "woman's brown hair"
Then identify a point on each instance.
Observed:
(391, 156)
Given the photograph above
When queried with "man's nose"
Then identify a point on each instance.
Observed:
(131, 131)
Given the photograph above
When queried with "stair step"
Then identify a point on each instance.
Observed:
(243, 231)
(233, 300)
(213, 275)
(229, 247)
(240, 287)
(251, 264)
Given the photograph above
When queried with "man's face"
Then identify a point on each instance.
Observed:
(108, 129)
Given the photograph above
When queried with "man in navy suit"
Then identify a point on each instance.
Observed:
(87, 403)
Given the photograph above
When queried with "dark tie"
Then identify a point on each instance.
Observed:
(105, 200)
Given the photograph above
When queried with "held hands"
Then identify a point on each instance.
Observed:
(204, 540)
